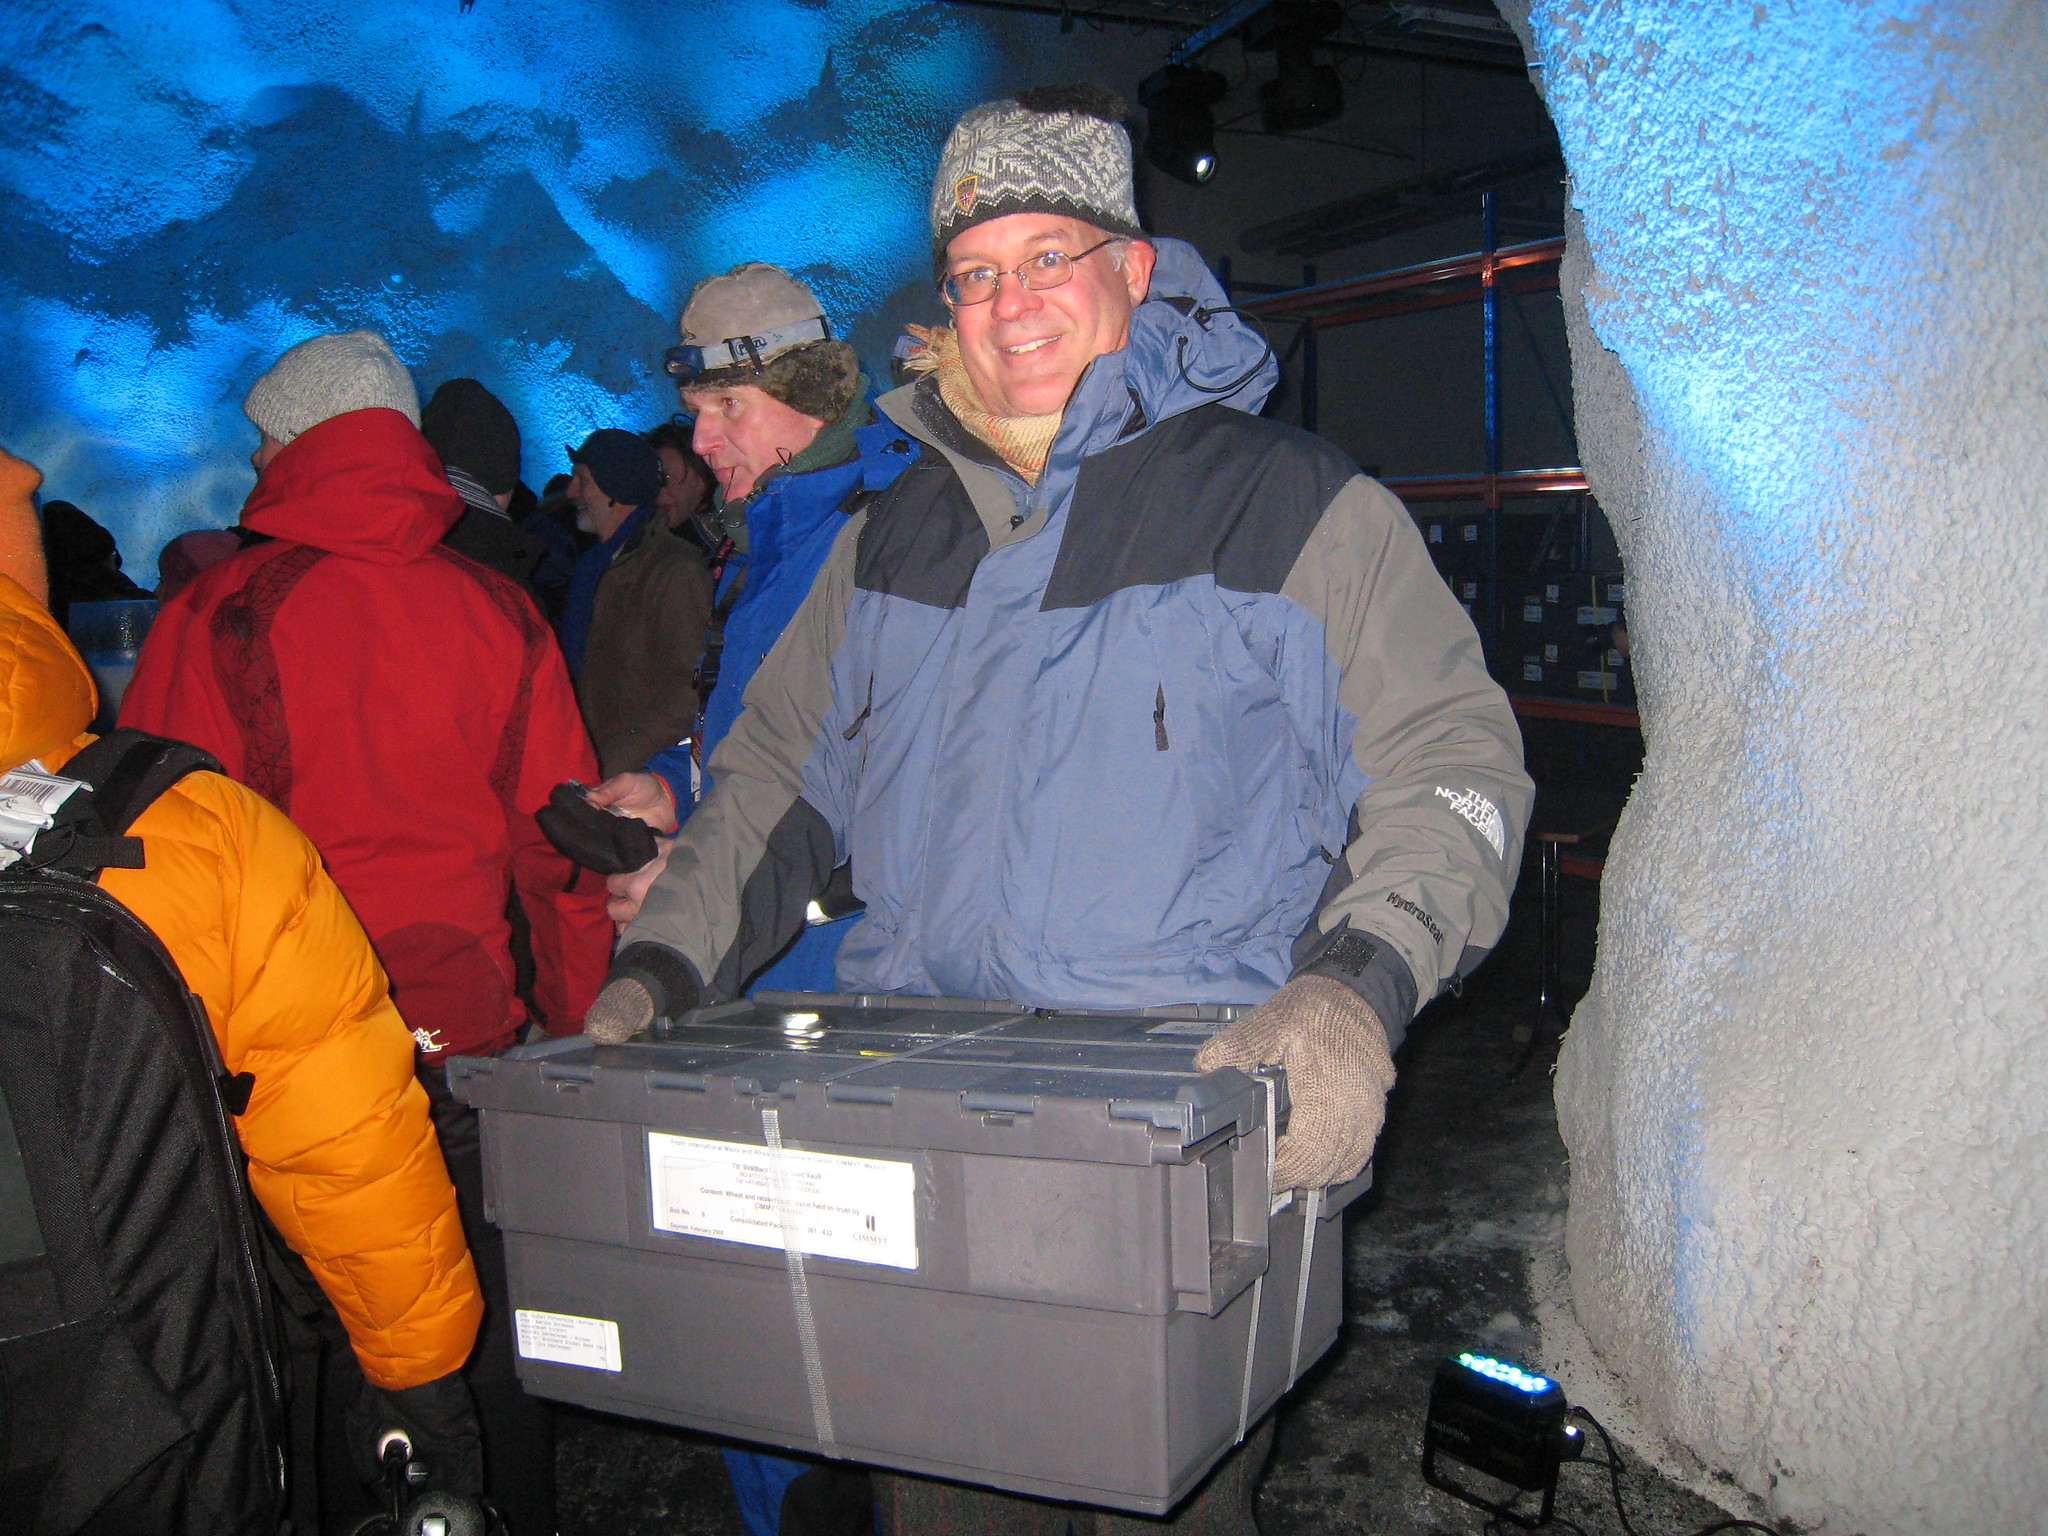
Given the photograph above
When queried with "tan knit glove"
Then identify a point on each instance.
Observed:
(1339, 1069)
(622, 1010)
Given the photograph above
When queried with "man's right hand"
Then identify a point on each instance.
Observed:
(645, 795)
(628, 891)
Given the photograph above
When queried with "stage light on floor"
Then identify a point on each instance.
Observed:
(1180, 128)
(1503, 1421)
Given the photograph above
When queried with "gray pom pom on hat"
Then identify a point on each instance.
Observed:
(328, 376)
(1055, 149)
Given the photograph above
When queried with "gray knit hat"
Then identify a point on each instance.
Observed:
(329, 376)
(1058, 149)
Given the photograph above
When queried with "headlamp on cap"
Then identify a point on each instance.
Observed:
(688, 360)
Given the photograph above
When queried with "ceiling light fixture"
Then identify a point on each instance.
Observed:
(1305, 94)
(1180, 125)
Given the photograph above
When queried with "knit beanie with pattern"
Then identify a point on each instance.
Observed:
(330, 376)
(1058, 149)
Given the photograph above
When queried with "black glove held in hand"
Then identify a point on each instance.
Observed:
(438, 1418)
(648, 981)
(1338, 1072)
(592, 836)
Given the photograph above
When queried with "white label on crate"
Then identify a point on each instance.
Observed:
(591, 1342)
(1550, 653)
(1184, 1027)
(861, 1208)
(1601, 681)
(1550, 594)
(1532, 613)
(1470, 592)
(1616, 659)
(1596, 615)
(1436, 533)
(1617, 593)
(1471, 533)
(1532, 671)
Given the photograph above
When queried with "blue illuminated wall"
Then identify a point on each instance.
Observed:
(523, 193)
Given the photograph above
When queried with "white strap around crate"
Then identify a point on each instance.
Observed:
(800, 1286)
(1311, 1219)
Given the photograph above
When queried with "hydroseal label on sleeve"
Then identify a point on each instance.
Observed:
(1184, 1027)
(837, 1207)
(591, 1342)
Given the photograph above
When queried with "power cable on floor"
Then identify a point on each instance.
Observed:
(1613, 1464)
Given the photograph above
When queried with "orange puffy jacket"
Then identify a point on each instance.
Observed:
(341, 1153)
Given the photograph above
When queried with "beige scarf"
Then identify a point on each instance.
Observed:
(1021, 441)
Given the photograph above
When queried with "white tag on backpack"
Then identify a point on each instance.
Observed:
(29, 800)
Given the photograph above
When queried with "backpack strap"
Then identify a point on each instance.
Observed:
(125, 771)
(128, 770)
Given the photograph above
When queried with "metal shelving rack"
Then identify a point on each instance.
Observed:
(1477, 277)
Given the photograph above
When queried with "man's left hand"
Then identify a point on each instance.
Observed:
(1334, 1050)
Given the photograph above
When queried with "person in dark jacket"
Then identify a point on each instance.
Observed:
(1122, 697)
(479, 446)
(639, 605)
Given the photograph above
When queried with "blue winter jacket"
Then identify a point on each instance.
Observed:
(1189, 716)
(791, 526)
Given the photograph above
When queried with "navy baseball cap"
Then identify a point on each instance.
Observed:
(623, 465)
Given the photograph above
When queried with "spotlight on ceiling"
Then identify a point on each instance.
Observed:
(1180, 128)
(1305, 94)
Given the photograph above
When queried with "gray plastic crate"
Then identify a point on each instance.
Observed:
(1027, 1250)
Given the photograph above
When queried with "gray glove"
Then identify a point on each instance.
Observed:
(646, 981)
(622, 1010)
(1339, 1069)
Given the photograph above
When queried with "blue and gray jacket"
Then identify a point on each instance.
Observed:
(1189, 716)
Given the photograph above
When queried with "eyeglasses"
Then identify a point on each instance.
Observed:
(1048, 269)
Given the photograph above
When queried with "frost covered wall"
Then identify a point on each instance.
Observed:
(523, 192)
(1807, 1096)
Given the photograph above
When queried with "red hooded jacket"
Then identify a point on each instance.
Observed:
(409, 709)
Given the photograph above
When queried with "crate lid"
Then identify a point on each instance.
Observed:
(928, 1073)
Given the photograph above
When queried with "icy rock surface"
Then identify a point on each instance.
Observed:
(520, 191)
(1807, 1096)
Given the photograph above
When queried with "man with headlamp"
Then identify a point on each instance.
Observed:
(783, 421)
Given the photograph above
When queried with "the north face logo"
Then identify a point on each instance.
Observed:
(963, 192)
(1482, 813)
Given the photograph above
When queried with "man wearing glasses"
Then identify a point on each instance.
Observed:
(1121, 696)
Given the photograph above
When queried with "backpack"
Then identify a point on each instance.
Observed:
(138, 1386)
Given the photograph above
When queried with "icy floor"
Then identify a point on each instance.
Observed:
(1470, 1182)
